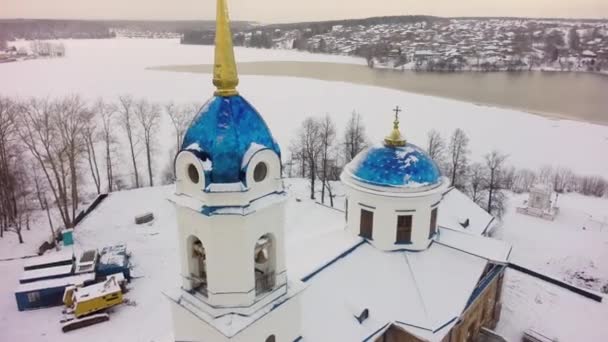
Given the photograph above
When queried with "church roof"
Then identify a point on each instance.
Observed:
(405, 166)
(224, 132)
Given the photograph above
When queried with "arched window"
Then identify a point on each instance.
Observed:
(264, 256)
(271, 338)
(197, 265)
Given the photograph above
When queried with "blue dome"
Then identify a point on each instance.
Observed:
(223, 132)
(405, 167)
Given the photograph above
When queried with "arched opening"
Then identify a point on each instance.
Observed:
(271, 338)
(197, 265)
(264, 257)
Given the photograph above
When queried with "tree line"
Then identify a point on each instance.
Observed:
(319, 154)
(51, 148)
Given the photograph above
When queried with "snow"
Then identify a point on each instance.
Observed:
(456, 208)
(108, 68)
(481, 246)
(45, 284)
(226, 187)
(564, 250)
(111, 67)
(426, 289)
(253, 149)
(108, 286)
(195, 147)
(50, 258)
(46, 272)
(575, 242)
(554, 311)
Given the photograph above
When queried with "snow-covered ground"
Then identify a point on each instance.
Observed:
(527, 302)
(572, 248)
(108, 68)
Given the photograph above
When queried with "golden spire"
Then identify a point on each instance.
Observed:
(225, 77)
(395, 139)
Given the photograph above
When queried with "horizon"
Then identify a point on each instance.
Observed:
(277, 12)
(308, 21)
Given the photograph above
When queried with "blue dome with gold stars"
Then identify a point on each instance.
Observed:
(405, 166)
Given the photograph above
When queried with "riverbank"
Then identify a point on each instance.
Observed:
(557, 95)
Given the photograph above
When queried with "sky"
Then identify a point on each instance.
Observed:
(269, 11)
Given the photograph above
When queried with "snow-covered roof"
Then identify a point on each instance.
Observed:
(51, 283)
(47, 272)
(50, 258)
(108, 286)
(456, 208)
(423, 291)
(485, 247)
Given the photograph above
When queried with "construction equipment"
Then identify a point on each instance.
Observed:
(87, 305)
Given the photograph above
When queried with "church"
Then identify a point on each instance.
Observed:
(412, 261)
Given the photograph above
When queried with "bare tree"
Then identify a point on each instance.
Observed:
(91, 136)
(308, 143)
(327, 134)
(494, 168)
(180, 116)
(72, 118)
(148, 115)
(126, 112)
(524, 179)
(355, 139)
(106, 112)
(8, 208)
(435, 146)
(458, 155)
(477, 180)
(38, 134)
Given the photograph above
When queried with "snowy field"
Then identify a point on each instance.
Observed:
(108, 68)
(573, 248)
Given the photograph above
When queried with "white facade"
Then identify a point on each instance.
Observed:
(539, 203)
(232, 256)
(387, 204)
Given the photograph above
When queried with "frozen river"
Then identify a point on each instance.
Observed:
(577, 96)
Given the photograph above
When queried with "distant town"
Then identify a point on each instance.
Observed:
(438, 44)
(421, 43)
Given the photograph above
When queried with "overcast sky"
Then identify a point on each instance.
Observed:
(297, 10)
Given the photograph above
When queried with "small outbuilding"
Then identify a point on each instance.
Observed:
(539, 203)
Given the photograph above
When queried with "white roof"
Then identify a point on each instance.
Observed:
(96, 290)
(456, 208)
(422, 291)
(45, 284)
(46, 272)
(50, 258)
(485, 247)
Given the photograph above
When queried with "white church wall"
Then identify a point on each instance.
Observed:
(283, 322)
(386, 209)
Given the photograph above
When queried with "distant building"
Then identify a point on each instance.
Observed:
(539, 203)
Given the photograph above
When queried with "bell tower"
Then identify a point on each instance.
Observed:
(230, 206)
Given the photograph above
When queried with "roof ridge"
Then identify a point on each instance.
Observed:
(420, 296)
